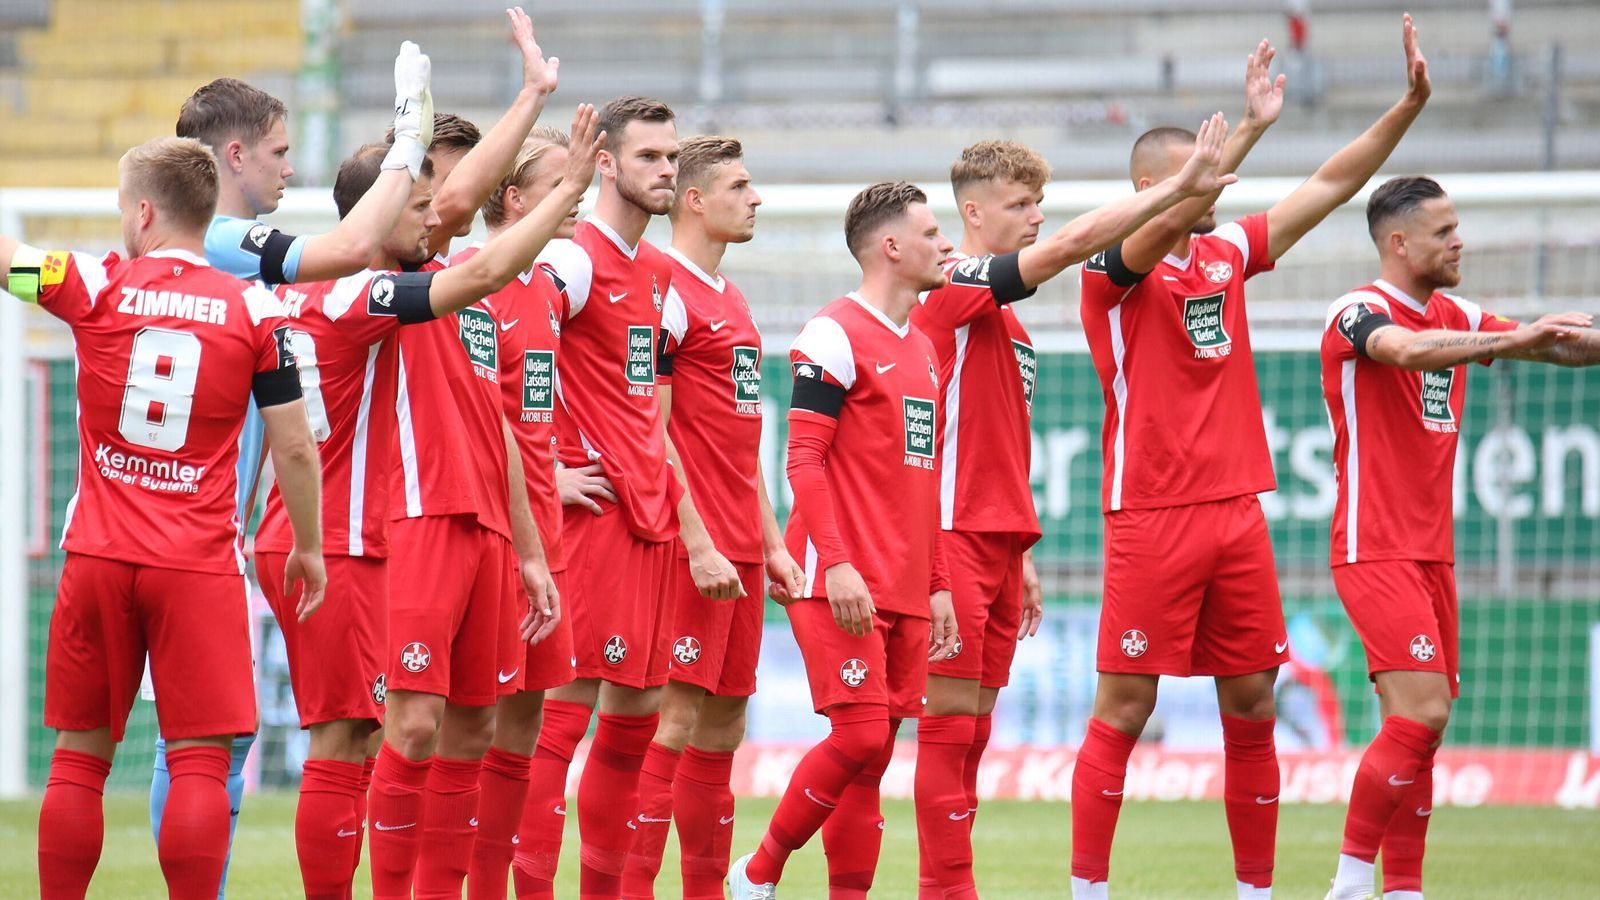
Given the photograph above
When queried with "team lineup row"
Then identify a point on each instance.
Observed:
(516, 487)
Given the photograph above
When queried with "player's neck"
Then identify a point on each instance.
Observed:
(893, 298)
(190, 243)
(1180, 247)
(971, 245)
(1408, 284)
(231, 201)
(698, 247)
(621, 215)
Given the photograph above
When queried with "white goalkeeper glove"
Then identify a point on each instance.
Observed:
(413, 110)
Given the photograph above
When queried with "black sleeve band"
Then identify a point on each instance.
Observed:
(411, 303)
(1360, 331)
(273, 254)
(816, 395)
(276, 387)
(1005, 279)
(663, 358)
(1109, 262)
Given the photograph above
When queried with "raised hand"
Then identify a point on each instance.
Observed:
(584, 147)
(1263, 94)
(538, 74)
(1553, 329)
(1418, 87)
(1199, 175)
(413, 110)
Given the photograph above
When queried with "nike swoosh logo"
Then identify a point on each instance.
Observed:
(1424, 812)
(1267, 801)
(956, 818)
(819, 801)
(343, 833)
(472, 822)
(882, 368)
(717, 326)
(652, 820)
(382, 827)
(616, 298)
(1279, 648)
(560, 810)
(631, 826)
(1396, 782)
(504, 678)
(1106, 793)
(516, 839)
(725, 820)
(507, 326)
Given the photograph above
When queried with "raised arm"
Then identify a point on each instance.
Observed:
(8, 252)
(1098, 229)
(1544, 341)
(480, 171)
(1338, 179)
(1581, 348)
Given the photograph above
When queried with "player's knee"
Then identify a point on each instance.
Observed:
(1432, 713)
(719, 730)
(1126, 711)
(411, 729)
(860, 741)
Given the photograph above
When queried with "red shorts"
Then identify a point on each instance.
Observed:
(511, 650)
(1406, 615)
(550, 663)
(336, 657)
(109, 614)
(986, 587)
(1190, 590)
(889, 666)
(620, 589)
(716, 643)
(448, 580)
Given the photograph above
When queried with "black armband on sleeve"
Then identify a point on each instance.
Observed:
(812, 393)
(276, 387)
(273, 254)
(1358, 322)
(1108, 262)
(1005, 279)
(403, 295)
(663, 358)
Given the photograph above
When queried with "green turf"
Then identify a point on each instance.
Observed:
(1163, 850)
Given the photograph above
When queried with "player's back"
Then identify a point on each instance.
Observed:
(167, 350)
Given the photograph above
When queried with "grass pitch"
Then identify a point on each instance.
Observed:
(1164, 850)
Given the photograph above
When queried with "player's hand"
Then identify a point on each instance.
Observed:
(1199, 175)
(788, 579)
(1418, 86)
(714, 577)
(1552, 329)
(941, 626)
(852, 604)
(306, 567)
(578, 486)
(1032, 599)
(544, 601)
(538, 74)
(413, 110)
(1263, 94)
(583, 148)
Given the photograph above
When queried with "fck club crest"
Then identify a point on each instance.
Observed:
(414, 657)
(1134, 643)
(686, 651)
(853, 673)
(616, 650)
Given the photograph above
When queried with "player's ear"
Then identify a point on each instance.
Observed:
(693, 200)
(233, 155)
(606, 164)
(891, 247)
(971, 214)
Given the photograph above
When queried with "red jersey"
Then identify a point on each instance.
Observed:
(452, 446)
(529, 331)
(882, 466)
(711, 355)
(987, 367)
(1172, 349)
(607, 385)
(168, 349)
(1394, 431)
(339, 332)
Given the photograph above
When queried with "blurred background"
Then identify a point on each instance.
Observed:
(829, 95)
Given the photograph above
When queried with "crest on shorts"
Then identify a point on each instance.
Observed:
(615, 650)
(1134, 643)
(414, 657)
(687, 650)
(1422, 648)
(853, 673)
(1218, 272)
(380, 689)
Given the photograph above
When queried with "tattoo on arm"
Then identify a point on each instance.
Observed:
(1481, 346)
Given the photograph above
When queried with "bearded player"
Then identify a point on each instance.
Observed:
(1394, 358)
(986, 505)
(1189, 581)
(876, 603)
(710, 389)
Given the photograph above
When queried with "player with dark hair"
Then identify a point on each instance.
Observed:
(1394, 357)
(986, 505)
(1190, 587)
(876, 603)
(169, 351)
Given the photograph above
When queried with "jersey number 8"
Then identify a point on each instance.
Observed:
(162, 372)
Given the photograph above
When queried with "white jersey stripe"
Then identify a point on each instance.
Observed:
(952, 415)
(1119, 389)
(408, 444)
(1352, 515)
(811, 569)
(358, 455)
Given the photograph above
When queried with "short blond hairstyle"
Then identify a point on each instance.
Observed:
(538, 142)
(699, 155)
(177, 175)
(991, 161)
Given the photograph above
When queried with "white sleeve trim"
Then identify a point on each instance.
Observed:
(1234, 234)
(674, 316)
(344, 294)
(573, 266)
(1366, 297)
(825, 343)
(1473, 311)
(93, 272)
(262, 304)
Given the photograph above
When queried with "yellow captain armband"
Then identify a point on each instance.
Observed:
(33, 270)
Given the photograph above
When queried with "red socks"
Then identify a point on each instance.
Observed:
(325, 825)
(943, 808)
(819, 781)
(367, 766)
(194, 826)
(1407, 834)
(702, 805)
(502, 788)
(449, 826)
(1250, 796)
(853, 836)
(71, 823)
(1098, 779)
(652, 822)
(981, 726)
(544, 814)
(395, 806)
(1387, 774)
(608, 796)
